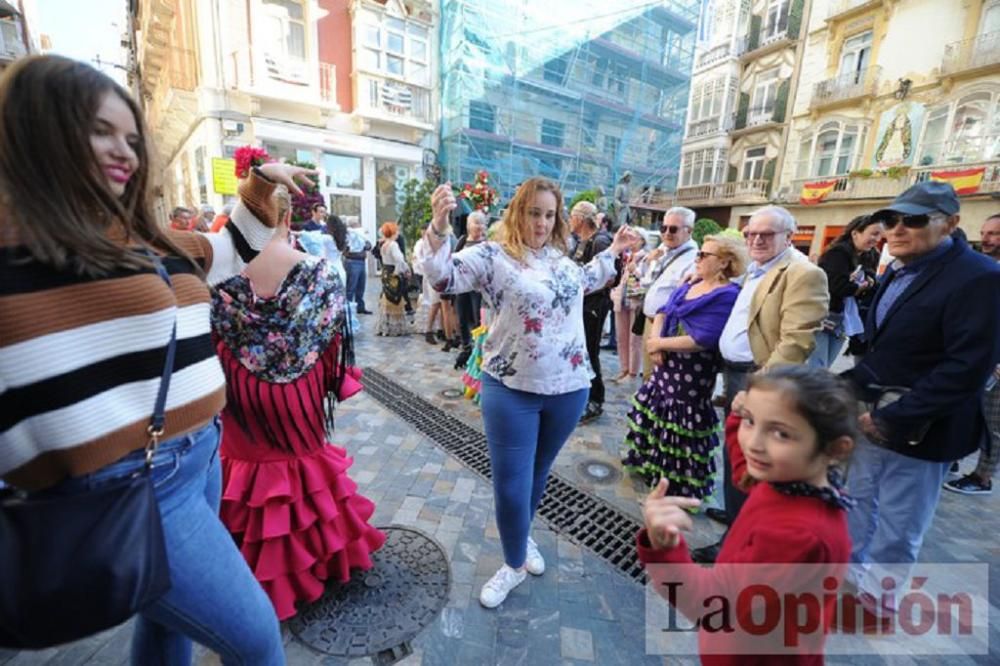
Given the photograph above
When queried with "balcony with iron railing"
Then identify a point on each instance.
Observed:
(844, 8)
(737, 192)
(972, 55)
(846, 87)
(713, 56)
(391, 99)
(291, 79)
(709, 126)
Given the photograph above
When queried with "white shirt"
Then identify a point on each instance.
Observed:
(734, 343)
(658, 293)
(536, 341)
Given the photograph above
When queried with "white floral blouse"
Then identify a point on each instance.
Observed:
(535, 341)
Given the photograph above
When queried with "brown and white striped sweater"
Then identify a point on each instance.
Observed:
(81, 358)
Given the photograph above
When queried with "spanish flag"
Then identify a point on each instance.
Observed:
(813, 193)
(965, 181)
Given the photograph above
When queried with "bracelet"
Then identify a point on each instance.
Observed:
(438, 234)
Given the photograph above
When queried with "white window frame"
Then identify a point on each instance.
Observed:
(752, 167)
(415, 68)
(276, 12)
(775, 9)
(859, 50)
(765, 93)
(948, 146)
(809, 168)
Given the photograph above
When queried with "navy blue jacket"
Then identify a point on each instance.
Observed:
(941, 339)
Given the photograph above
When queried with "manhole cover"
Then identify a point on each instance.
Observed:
(597, 471)
(380, 610)
(451, 394)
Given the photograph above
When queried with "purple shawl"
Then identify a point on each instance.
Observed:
(702, 318)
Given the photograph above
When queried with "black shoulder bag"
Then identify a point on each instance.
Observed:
(72, 565)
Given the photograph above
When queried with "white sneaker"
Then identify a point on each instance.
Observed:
(533, 560)
(497, 588)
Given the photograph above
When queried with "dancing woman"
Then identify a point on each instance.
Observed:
(536, 374)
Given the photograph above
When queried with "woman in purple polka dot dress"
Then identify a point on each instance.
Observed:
(673, 426)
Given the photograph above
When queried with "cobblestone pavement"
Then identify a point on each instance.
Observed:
(582, 610)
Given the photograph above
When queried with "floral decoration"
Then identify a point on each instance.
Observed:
(248, 157)
(479, 194)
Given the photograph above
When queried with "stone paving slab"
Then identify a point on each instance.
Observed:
(581, 611)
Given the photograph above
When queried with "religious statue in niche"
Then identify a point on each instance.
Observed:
(898, 131)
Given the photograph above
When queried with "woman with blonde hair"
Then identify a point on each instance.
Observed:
(673, 427)
(535, 370)
(391, 319)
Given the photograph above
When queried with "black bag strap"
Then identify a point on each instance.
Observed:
(155, 427)
(247, 253)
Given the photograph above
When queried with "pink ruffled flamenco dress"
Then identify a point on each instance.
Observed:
(287, 498)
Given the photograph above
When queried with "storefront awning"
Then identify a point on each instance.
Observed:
(7, 9)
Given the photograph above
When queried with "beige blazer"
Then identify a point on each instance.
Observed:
(786, 312)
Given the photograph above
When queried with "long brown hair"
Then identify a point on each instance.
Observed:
(513, 229)
(51, 188)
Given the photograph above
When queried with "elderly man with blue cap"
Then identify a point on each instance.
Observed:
(933, 335)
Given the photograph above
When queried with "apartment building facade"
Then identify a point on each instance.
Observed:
(346, 85)
(871, 97)
(894, 92)
(746, 71)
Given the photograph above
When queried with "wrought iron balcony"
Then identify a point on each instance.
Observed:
(847, 86)
(970, 54)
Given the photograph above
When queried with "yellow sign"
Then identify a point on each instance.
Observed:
(224, 175)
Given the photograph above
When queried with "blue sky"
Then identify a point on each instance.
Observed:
(85, 30)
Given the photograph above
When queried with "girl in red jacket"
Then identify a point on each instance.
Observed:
(785, 436)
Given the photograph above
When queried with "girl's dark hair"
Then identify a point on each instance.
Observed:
(51, 188)
(859, 224)
(825, 400)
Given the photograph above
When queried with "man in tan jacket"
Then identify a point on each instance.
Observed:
(783, 300)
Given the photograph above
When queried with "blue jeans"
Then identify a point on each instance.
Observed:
(525, 432)
(355, 269)
(214, 598)
(897, 496)
(828, 347)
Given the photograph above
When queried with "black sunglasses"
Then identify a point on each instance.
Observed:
(672, 229)
(909, 221)
(701, 255)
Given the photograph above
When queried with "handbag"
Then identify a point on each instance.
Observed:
(77, 563)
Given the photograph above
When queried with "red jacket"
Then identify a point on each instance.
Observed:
(772, 528)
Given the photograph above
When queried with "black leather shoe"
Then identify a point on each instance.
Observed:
(463, 358)
(707, 554)
(365, 312)
(718, 515)
(591, 413)
(430, 339)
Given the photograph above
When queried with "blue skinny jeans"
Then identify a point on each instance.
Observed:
(525, 432)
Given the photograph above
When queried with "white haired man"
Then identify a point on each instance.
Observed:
(782, 303)
(664, 269)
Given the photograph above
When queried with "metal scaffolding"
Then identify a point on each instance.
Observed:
(580, 91)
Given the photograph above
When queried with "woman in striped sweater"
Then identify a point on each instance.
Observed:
(84, 325)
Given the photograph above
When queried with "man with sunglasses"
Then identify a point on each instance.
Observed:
(933, 336)
(782, 303)
(664, 269)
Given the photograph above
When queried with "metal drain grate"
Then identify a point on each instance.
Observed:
(582, 518)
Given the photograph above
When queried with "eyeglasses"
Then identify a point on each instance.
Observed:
(909, 221)
(672, 229)
(765, 236)
(701, 255)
